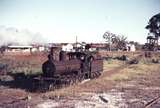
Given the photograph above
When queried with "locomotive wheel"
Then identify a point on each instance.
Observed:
(64, 83)
(52, 85)
(40, 86)
(82, 77)
(92, 76)
(74, 79)
(77, 79)
(45, 86)
(97, 74)
(71, 81)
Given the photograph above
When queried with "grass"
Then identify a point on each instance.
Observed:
(27, 64)
(132, 71)
(111, 64)
(105, 81)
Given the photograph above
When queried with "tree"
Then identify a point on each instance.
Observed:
(154, 25)
(154, 29)
(118, 41)
(121, 43)
(109, 37)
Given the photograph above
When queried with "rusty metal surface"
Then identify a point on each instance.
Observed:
(97, 66)
(67, 66)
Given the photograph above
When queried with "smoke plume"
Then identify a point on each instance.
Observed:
(14, 36)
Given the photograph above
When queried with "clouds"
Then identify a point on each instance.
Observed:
(19, 37)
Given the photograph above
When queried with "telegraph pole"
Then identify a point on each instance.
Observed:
(76, 42)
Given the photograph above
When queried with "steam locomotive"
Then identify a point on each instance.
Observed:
(72, 67)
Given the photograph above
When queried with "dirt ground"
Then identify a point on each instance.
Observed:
(119, 86)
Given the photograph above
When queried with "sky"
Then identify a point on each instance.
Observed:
(63, 20)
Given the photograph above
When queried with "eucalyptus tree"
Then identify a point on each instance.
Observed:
(154, 25)
(118, 41)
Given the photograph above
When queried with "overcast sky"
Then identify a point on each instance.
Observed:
(63, 20)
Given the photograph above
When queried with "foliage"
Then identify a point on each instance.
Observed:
(154, 25)
(108, 36)
(116, 41)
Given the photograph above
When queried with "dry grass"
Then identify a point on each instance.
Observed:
(106, 81)
(28, 64)
(111, 64)
(134, 70)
